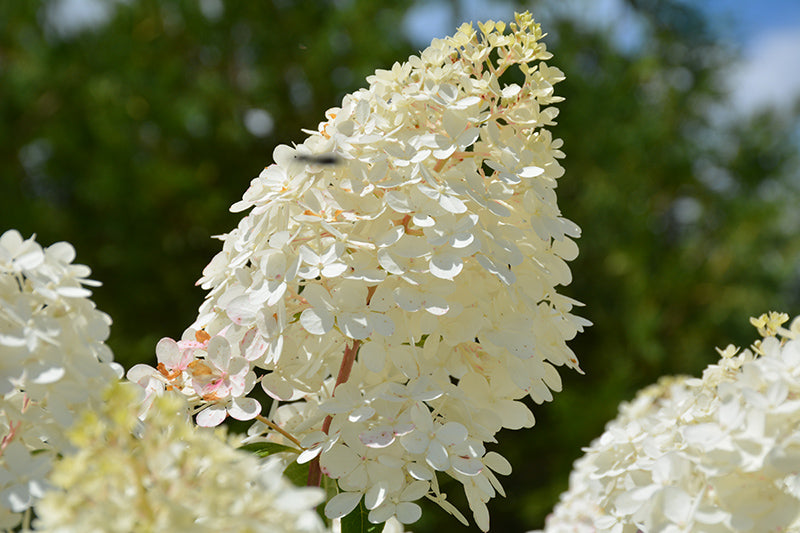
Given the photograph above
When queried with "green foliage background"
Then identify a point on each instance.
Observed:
(128, 140)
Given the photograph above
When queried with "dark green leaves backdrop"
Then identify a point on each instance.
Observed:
(131, 139)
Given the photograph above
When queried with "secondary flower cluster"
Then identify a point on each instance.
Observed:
(53, 363)
(393, 287)
(167, 475)
(721, 453)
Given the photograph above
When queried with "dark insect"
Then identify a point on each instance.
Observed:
(318, 159)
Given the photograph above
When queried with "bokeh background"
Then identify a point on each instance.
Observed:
(129, 127)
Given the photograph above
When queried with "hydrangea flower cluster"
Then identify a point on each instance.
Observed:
(394, 285)
(53, 363)
(718, 454)
(167, 475)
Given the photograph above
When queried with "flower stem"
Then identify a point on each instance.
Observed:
(279, 429)
(349, 358)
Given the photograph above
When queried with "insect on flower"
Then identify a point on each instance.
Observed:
(329, 159)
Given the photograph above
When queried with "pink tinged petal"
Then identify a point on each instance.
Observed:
(379, 437)
(316, 321)
(211, 416)
(498, 463)
(253, 346)
(219, 352)
(341, 504)
(339, 461)
(241, 310)
(445, 266)
(408, 513)
(437, 456)
(452, 433)
(168, 353)
(244, 408)
(469, 466)
(376, 495)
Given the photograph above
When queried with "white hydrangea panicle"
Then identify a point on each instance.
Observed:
(400, 300)
(53, 363)
(167, 475)
(720, 453)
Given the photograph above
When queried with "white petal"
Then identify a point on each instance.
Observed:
(446, 266)
(498, 463)
(452, 433)
(469, 466)
(408, 513)
(354, 325)
(167, 352)
(376, 495)
(316, 321)
(211, 416)
(341, 504)
(373, 355)
(244, 408)
(382, 324)
(418, 471)
(437, 456)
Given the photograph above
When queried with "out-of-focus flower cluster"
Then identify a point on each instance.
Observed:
(717, 454)
(53, 363)
(418, 226)
(167, 475)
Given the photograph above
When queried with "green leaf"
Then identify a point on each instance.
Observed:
(357, 522)
(297, 474)
(263, 449)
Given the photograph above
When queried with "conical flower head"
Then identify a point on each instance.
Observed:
(417, 225)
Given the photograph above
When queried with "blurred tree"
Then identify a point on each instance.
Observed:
(131, 139)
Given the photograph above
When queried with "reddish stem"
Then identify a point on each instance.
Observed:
(349, 358)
